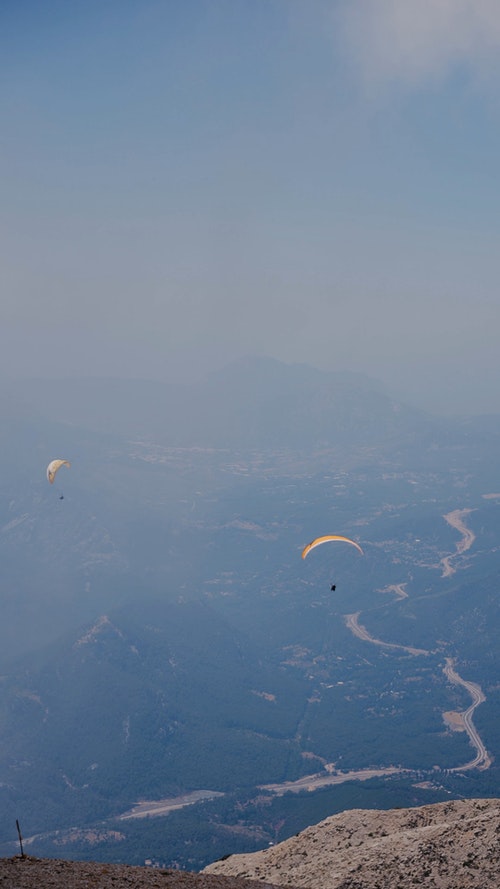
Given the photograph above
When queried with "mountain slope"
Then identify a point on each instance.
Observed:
(450, 845)
(150, 702)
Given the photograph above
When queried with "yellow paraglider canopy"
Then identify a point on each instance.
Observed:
(53, 468)
(320, 540)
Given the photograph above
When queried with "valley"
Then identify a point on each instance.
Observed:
(174, 674)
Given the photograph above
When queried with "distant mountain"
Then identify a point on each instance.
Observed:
(264, 403)
(252, 403)
(446, 845)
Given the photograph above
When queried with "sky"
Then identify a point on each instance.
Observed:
(184, 183)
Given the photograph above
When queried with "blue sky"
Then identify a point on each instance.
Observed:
(315, 180)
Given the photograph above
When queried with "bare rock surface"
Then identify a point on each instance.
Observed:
(47, 873)
(451, 845)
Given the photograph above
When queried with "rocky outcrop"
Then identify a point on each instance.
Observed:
(452, 845)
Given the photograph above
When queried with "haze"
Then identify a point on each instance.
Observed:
(185, 183)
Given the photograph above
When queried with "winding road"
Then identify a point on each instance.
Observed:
(455, 519)
(397, 588)
(351, 621)
(482, 760)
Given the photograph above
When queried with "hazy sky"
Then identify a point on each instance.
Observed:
(186, 181)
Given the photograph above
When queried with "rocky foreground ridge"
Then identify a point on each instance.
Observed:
(48, 873)
(452, 845)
